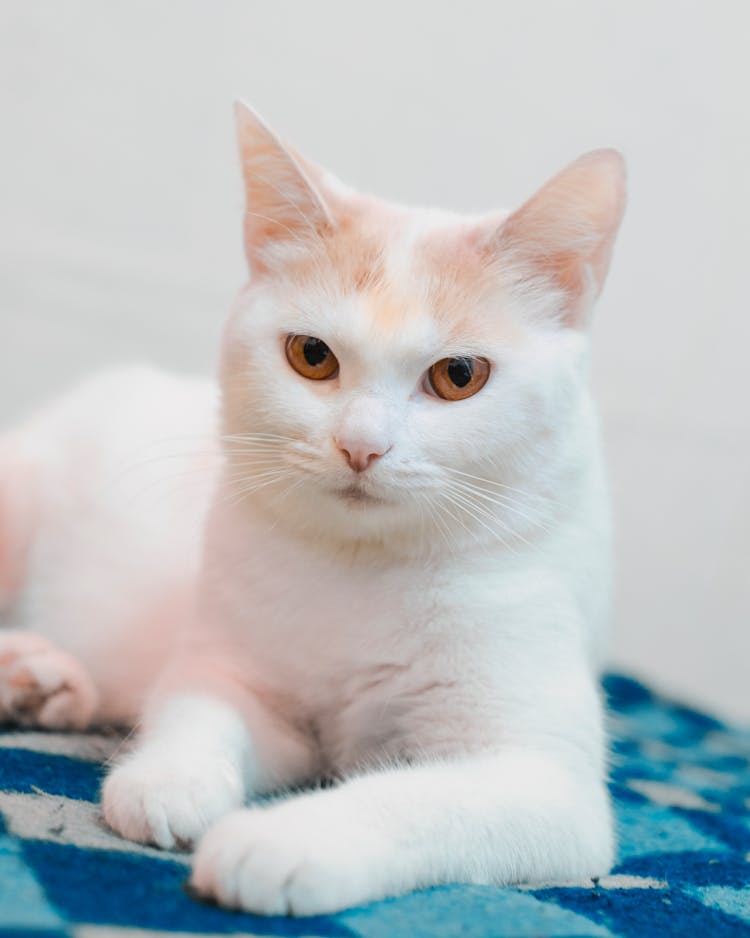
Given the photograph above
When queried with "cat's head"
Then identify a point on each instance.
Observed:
(390, 372)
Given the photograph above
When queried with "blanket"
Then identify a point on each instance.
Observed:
(681, 787)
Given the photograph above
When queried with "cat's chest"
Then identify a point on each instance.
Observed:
(376, 661)
(378, 670)
(314, 621)
(350, 639)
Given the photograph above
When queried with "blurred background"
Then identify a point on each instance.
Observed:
(120, 211)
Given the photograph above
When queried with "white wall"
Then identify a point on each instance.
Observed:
(120, 210)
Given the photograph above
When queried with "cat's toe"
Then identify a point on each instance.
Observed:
(43, 686)
(233, 866)
(152, 799)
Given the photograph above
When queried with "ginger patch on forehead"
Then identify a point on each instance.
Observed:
(343, 262)
(402, 276)
(391, 308)
(465, 296)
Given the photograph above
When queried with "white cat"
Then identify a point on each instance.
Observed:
(405, 573)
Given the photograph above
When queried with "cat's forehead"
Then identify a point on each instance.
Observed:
(406, 278)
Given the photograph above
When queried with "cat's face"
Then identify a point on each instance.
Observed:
(390, 372)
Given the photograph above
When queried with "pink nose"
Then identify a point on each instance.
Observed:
(360, 457)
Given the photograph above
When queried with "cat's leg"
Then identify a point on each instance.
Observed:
(531, 807)
(43, 686)
(199, 754)
(516, 816)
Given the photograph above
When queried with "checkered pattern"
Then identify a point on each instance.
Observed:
(681, 783)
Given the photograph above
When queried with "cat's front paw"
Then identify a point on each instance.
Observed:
(169, 799)
(43, 686)
(292, 859)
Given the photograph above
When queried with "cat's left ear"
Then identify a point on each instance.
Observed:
(565, 233)
(285, 209)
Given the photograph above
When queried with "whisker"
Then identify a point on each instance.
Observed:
(248, 462)
(475, 512)
(439, 522)
(287, 491)
(506, 527)
(460, 521)
(132, 732)
(501, 501)
(254, 476)
(127, 469)
(242, 437)
(237, 494)
(501, 485)
(175, 481)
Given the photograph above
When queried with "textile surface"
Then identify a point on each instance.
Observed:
(681, 786)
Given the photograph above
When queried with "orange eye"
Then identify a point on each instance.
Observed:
(454, 379)
(311, 357)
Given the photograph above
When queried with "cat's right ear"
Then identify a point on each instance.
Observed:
(284, 211)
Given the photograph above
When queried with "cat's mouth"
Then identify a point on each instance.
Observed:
(358, 495)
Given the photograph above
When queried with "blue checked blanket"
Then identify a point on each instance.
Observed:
(680, 779)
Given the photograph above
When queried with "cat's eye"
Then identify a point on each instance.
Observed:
(454, 379)
(311, 357)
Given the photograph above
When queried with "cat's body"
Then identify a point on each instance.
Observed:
(406, 573)
(102, 498)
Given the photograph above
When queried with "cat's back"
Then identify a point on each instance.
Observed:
(120, 407)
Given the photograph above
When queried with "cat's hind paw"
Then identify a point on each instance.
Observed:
(43, 686)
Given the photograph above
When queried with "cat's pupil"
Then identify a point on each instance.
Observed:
(315, 351)
(460, 371)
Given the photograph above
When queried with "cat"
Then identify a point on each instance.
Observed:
(391, 569)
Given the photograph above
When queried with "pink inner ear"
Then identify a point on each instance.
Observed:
(566, 231)
(282, 201)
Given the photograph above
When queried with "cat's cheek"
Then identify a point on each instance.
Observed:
(283, 861)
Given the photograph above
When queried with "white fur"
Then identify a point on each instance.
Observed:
(188, 770)
(116, 477)
(427, 634)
